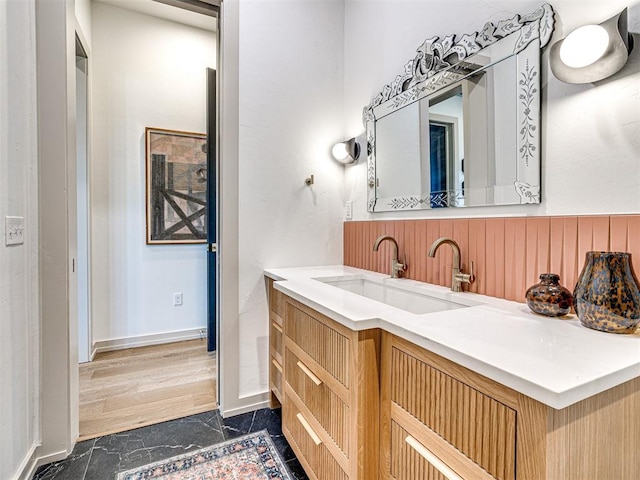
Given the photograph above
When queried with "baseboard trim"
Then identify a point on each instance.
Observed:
(32, 462)
(147, 340)
(28, 466)
(247, 408)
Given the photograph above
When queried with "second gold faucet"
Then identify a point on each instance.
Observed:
(457, 276)
(396, 267)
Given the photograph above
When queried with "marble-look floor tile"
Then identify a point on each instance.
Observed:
(102, 458)
(71, 468)
(296, 470)
(126, 450)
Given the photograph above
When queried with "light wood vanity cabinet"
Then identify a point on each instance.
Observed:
(331, 395)
(436, 412)
(276, 337)
(439, 417)
(369, 405)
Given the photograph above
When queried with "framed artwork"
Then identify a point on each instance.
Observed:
(176, 196)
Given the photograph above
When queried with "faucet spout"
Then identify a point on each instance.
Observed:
(457, 276)
(396, 267)
(454, 246)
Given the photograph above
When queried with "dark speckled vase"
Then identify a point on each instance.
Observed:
(549, 297)
(607, 296)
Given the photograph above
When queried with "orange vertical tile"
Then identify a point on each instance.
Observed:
(537, 249)
(357, 245)
(362, 233)
(368, 232)
(420, 252)
(353, 240)
(407, 253)
(494, 257)
(593, 235)
(363, 240)
(432, 266)
(374, 257)
(564, 249)
(345, 243)
(515, 250)
(477, 242)
(625, 237)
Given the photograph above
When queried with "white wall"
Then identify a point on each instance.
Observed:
(19, 322)
(147, 72)
(82, 10)
(590, 133)
(290, 114)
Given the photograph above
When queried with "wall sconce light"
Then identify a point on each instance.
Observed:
(592, 52)
(346, 152)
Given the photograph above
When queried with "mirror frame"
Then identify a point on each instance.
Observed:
(439, 63)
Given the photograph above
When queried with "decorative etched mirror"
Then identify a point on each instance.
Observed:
(460, 126)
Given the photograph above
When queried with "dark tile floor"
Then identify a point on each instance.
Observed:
(104, 457)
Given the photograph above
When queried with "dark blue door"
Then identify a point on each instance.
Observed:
(212, 212)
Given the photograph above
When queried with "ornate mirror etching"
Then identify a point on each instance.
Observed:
(459, 127)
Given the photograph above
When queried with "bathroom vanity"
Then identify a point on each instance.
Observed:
(393, 378)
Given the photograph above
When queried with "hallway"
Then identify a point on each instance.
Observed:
(132, 388)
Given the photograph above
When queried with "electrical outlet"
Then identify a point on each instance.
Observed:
(348, 210)
(177, 299)
(14, 230)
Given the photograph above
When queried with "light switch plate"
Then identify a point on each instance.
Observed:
(348, 210)
(14, 230)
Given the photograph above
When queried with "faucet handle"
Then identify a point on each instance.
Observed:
(465, 277)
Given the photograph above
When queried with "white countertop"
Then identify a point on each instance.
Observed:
(556, 361)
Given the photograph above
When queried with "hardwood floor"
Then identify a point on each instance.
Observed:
(132, 388)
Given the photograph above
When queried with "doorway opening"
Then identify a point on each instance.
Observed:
(143, 354)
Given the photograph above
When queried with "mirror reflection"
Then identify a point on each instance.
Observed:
(464, 136)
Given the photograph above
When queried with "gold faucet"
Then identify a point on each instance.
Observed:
(396, 267)
(457, 277)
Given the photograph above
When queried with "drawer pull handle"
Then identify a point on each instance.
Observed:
(277, 327)
(307, 427)
(309, 374)
(432, 459)
(276, 364)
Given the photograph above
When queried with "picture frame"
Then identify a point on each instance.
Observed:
(176, 187)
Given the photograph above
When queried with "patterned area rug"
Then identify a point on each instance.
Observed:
(250, 457)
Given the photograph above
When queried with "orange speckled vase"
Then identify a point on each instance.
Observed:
(549, 297)
(607, 296)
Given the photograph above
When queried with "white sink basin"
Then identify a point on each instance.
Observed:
(395, 293)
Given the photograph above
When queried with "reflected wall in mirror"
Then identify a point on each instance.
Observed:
(460, 126)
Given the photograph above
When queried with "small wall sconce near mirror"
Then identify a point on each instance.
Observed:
(346, 152)
(592, 52)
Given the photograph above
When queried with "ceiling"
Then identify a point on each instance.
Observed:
(160, 10)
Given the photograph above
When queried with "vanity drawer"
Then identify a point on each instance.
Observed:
(308, 445)
(477, 425)
(277, 301)
(326, 406)
(275, 378)
(408, 461)
(324, 340)
(276, 339)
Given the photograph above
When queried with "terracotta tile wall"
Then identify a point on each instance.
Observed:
(509, 254)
